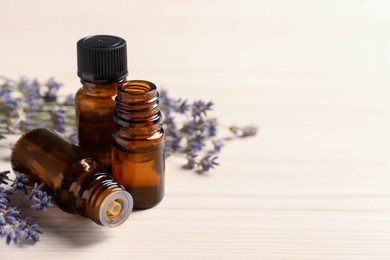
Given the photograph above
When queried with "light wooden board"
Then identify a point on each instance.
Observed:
(313, 75)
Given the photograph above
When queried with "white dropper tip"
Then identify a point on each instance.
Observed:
(114, 207)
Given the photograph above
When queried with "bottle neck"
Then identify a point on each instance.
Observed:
(137, 106)
(102, 199)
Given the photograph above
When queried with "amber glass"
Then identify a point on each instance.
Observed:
(138, 143)
(74, 179)
(95, 107)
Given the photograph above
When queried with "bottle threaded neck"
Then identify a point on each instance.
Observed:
(137, 103)
(107, 202)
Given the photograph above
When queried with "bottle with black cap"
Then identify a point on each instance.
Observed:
(102, 65)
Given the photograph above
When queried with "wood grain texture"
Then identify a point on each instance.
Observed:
(314, 183)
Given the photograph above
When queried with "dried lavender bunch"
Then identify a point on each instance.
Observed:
(13, 227)
(27, 104)
(192, 134)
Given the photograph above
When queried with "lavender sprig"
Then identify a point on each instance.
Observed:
(41, 199)
(192, 133)
(13, 227)
(27, 104)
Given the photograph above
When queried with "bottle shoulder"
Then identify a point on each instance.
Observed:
(84, 101)
(139, 133)
(82, 167)
(97, 91)
(145, 142)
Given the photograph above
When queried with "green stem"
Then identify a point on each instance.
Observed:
(181, 155)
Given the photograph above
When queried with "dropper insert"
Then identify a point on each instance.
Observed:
(115, 208)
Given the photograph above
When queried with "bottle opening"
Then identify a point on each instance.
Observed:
(137, 87)
(115, 208)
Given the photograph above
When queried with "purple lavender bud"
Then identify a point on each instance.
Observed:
(218, 145)
(43, 201)
(249, 131)
(52, 90)
(58, 119)
(3, 178)
(70, 100)
(20, 183)
(165, 100)
(208, 163)
(200, 107)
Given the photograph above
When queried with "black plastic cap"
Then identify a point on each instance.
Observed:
(101, 58)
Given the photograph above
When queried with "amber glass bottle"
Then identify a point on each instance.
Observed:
(138, 143)
(102, 65)
(74, 179)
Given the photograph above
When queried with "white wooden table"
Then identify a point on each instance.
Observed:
(313, 75)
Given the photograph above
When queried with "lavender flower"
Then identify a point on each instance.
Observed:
(42, 200)
(70, 100)
(189, 131)
(200, 108)
(29, 104)
(4, 200)
(52, 89)
(3, 177)
(33, 231)
(16, 117)
(195, 144)
(243, 131)
(16, 232)
(12, 226)
(31, 91)
(218, 144)
(58, 119)
(172, 137)
(208, 162)
(20, 183)
(182, 106)
(212, 127)
(9, 216)
(172, 142)
(6, 99)
(165, 101)
(249, 131)
(17, 229)
(191, 161)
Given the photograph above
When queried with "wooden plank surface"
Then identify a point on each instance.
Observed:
(313, 75)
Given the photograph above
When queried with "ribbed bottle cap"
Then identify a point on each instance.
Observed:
(101, 58)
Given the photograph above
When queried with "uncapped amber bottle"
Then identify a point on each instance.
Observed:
(102, 65)
(74, 179)
(138, 143)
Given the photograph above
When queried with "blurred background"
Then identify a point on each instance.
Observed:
(210, 44)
